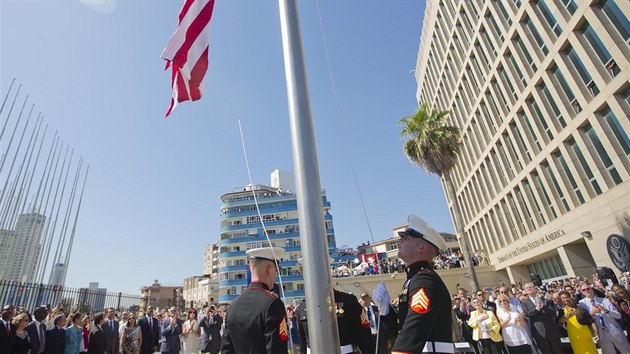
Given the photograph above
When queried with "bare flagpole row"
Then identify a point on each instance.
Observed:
(39, 201)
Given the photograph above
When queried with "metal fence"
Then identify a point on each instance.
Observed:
(85, 300)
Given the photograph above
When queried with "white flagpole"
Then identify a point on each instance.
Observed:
(320, 303)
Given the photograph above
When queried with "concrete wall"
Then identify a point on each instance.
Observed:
(488, 277)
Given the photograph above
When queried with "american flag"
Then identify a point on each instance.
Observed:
(187, 51)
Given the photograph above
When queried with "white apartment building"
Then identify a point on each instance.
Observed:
(541, 93)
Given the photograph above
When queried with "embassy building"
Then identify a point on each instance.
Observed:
(540, 91)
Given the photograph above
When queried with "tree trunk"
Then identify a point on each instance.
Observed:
(459, 226)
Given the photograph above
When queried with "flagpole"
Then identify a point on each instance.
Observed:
(322, 320)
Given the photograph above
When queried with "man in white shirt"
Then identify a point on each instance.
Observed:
(611, 336)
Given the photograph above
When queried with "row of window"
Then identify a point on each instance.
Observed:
(579, 170)
(439, 83)
(548, 268)
(518, 145)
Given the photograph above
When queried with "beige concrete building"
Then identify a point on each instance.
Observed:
(161, 296)
(541, 93)
(211, 260)
(199, 291)
(389, 246)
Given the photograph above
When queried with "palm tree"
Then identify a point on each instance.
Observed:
(434, 145)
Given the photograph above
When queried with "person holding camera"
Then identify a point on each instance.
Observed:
(210, 325)
(606, 316)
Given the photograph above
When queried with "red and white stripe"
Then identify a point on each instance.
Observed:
(187, 51)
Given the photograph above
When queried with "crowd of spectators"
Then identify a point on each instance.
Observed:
(55, 331)
(526, 318)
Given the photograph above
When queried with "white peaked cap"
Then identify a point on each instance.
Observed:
(268, 253)
(420, 229)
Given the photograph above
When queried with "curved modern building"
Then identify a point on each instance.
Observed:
(541, 93)
(242, 229)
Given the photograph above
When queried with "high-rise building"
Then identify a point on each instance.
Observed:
(25, 248)
(541, 93)
(242, 229)
(211, 260)
(56, 274)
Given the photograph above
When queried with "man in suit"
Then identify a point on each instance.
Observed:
(210, 324)
(37, 331)
(611, 336)
(373, 314)
(171, 330)
(7, 330)
(541, 315)
(150, 332)
(110, 330)
(96, 341)
(56, 336)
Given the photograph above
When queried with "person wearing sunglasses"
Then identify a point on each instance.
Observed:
(512, 321)
(611, 335)
(486, 329)
(541, 314)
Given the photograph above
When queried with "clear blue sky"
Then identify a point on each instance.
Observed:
(153, 194)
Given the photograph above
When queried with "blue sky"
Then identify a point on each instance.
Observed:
(153, 194)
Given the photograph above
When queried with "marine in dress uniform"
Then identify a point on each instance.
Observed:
(424, 310)
(354, 327)
(256, 321)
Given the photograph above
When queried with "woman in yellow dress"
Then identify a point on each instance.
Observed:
(580, 336)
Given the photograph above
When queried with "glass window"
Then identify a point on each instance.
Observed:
(498, 93)
(617, 130)
(525, 208)
(534, 32)
(564, 169)
(530, 130)
(516, 69)
(520, 141)
(532, 198)
(556, 186)
(482, 54)
(539, 118)
(617, 18)
(512, 151)
(547, 200)
(488, 118)
(508, 82)
(564, 84)
(488, 42)
(582, 71)
(503, 11)
(603, 155)
(495, 27)
(585, 166)
(517, 214)
(525, 53)
(505, 160)
(570, 5)
(552, 103)
(593, 39)
(549, 17)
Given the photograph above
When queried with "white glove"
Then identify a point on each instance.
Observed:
(380, 296)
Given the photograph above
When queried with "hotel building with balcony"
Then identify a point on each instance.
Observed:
(540, 91)
(242, 229)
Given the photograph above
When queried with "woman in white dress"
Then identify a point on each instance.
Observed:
(514, 327)
(191, 333)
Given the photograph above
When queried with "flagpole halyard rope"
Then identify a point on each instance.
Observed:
(340, 120)
(249, 174)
